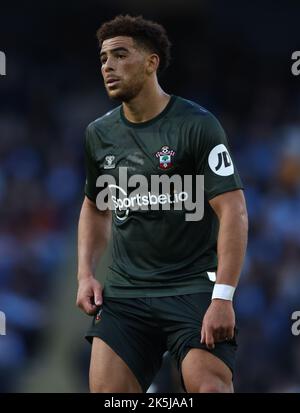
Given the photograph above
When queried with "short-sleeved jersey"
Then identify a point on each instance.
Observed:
(159, 252)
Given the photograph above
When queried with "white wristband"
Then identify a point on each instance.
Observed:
(223, 291)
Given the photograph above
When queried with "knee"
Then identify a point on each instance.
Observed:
(113, 388)
(101, 388)
(214, 386)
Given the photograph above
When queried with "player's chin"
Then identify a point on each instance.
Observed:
(115, 94)
(118, 95)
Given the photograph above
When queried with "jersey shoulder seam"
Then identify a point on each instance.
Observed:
(105, 120)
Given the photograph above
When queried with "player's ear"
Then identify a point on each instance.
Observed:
(152, 63)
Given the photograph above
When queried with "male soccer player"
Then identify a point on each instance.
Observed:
(171, 282)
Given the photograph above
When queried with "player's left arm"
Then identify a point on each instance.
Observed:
(219, 320)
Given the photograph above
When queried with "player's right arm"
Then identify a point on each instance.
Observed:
(94, 231)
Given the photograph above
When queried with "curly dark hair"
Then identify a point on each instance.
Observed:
(145, 33)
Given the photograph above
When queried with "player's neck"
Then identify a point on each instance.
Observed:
(147, 105)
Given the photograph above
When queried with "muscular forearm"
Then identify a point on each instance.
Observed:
(94, 230)
(232, 241)
(219, 320)
(232, 238)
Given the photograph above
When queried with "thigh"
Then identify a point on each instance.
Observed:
(130, 339)
(203, 372)
(109, 373)
(181, 317)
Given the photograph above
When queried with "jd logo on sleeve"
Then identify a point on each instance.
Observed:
(220, 161)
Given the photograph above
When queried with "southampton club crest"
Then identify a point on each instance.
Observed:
(165, 156)
(109, 162)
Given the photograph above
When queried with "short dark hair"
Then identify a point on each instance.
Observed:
(146, 33)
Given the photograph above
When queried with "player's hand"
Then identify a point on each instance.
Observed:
(218, 323)
(89, 296)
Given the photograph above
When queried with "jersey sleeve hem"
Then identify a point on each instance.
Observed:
(90, 197)
(223, 191)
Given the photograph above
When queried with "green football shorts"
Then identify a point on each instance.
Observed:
(141, 330)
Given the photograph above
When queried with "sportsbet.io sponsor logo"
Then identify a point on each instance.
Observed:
(296, 325)
(2, 64)
(139, 200)
(161, 193)
(2, 324)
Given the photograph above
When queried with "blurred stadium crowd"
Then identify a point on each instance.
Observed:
(53, 90)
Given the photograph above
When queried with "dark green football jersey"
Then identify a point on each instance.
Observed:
(159, 252)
